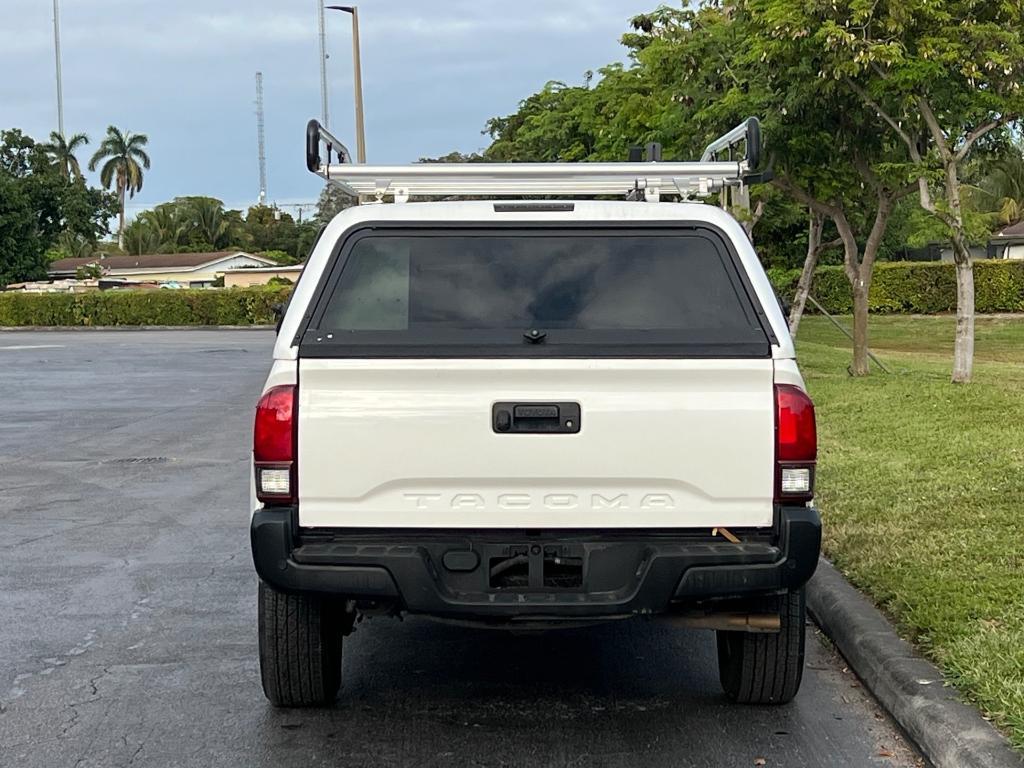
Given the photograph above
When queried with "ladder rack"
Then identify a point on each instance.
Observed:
(651, 179)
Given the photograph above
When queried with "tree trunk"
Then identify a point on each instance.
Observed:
(120, 226)
(860, 328)
(855, 267)
(803, 287)
(860, 276)
(963, 347)
(748, 224)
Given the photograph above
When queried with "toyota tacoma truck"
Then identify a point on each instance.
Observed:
(531, 414)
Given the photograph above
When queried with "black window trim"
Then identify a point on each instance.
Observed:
(324, 344)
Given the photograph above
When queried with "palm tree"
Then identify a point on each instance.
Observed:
(1005, 186)
(125, 159)
(63, 153)
(211, 221)
(141, 236)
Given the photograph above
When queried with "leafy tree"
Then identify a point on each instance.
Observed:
(283, 258)
(160, 230)
(454, 157)
(1000, 192)
(332, 201)
(63, 153)
(142, 237)
(89, 272)
(209, 226)
(40, 208)
(828, 154)
(270, 229)
(307, 233)
(70, 245)
(680, 70)
(942, 79)
(186, 224)
(21, 243)
(124, 159)
(546, 128)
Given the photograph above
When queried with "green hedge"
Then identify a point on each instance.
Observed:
(924, 287)
(233, 306)
(917, 287)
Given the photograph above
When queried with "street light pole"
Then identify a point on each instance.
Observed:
(357, 70)
(56, 51)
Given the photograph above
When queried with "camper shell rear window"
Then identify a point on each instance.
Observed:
(534, 292)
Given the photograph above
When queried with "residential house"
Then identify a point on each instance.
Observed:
(192, 270)
(1008, 243)
(246, 276)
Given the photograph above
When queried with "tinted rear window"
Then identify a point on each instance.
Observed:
(574, 288)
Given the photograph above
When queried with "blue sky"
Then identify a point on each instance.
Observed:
(183, 72)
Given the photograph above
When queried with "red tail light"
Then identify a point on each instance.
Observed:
(273, 446)
(796, 444)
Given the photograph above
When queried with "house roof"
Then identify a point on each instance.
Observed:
(1014, 230)
(152, 261)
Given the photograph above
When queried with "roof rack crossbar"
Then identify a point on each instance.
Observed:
(651, 179)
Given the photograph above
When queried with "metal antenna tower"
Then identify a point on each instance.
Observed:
(325, 121)
(262, 140)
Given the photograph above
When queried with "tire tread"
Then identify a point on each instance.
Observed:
(300, 649)
(765, 668)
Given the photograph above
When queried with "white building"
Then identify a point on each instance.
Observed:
(192, 270)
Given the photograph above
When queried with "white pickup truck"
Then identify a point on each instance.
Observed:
(533, 414)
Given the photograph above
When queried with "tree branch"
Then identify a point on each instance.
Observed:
(905, 190)
(850, 250)
(911, 144)
(926, 196)
(929, 205)
(867, 174)
(874, 240)
(936, 130)
(757, 214)
(834, 212)
(830, 244)
(802, 196)
(980, 131)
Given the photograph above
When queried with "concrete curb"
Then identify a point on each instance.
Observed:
(75, 328)
(950, 733)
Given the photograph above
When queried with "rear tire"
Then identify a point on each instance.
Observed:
(300, 649)
(765, 668)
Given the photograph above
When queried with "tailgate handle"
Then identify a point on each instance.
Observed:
(533, 418)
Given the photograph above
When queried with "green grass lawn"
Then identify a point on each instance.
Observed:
(921, 487)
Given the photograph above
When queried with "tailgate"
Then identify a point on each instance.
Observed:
(412, 443)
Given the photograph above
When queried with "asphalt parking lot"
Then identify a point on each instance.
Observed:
(128, 634)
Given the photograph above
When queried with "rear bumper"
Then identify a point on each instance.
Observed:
(495, 575)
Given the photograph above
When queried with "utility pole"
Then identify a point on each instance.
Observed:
(300, 207)
(324, 118)
(357, 71)
(262, 141)
(56, 51)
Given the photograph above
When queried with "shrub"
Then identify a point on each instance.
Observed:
(926, 287)
(234, 306)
